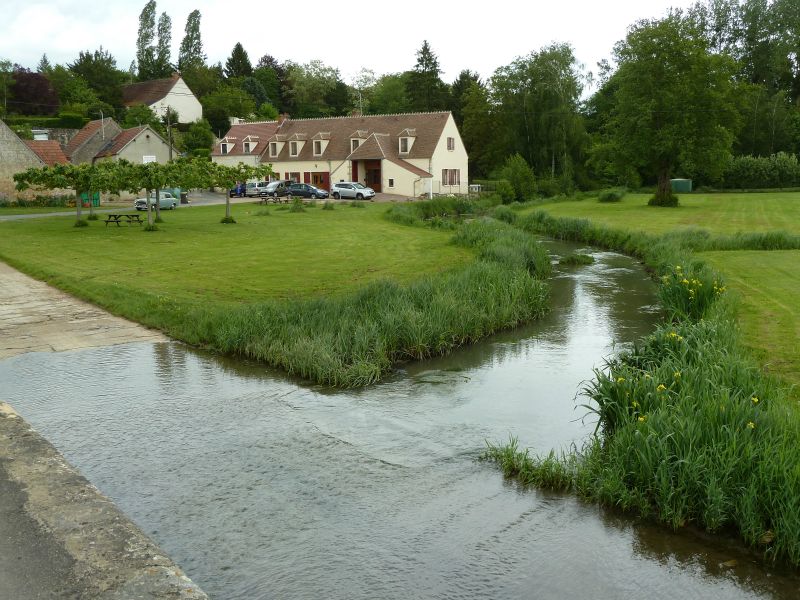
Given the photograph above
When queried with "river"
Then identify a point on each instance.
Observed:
(261, 486)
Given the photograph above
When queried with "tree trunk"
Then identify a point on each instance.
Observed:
(158, 205)
(149, 210)
(227, 206)
(79, 205)
(664, 195)
(91, 205)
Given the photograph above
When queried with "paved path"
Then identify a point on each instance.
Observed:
(35, 317)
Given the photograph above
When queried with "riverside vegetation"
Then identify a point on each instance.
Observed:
(394, 293)
(691, 431)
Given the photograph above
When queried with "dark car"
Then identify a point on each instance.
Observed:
(237, 191)
(306, 190)
(275, 189)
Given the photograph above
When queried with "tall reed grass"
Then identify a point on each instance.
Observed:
(690, 430)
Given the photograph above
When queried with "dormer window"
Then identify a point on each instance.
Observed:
(273, 149)
(223, 148)
(317, 147)
(404, 145)
(354, 143)
(246, 147)
(292, 148)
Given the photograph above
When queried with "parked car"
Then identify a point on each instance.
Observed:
(237, 191)
(166, 201)
(276, 189)
(352, 189)
(255, 188)
(306, 190)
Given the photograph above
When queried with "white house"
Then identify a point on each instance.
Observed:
(160, 94)
(407, 154)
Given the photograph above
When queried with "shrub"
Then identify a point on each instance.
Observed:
(504, 213)
(506, 191)
(669, 200)
(520, 175)
(297, 206)
(327, 206)
(224, 220)
(611, 195)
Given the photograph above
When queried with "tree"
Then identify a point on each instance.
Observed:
(536, 99)
(271, 83)
(99, 70)
(203, 80)
(238, 63)
(363, 84)
(517, 172)
(198, 139)
(191, 55)
(44, 65)
(141, 114)
(253, 86)
(458, 90)
(145, 52)
(6, 79)
(311, 88)
(478, 131)
(389, 95)
(75, 94)
(33, 94)
(163, 62)
(673, 104)
(226, 102)
(425, 89)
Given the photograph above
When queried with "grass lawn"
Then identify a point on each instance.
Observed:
(38, 210)
(195, 258)
(719, 213)
(767, 282)
(769, 315)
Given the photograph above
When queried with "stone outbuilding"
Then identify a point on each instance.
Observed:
(84, 145)
(138, 145)
(15, 156)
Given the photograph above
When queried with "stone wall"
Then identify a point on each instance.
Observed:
(15, 156)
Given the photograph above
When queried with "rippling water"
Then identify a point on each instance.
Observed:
(262, 487)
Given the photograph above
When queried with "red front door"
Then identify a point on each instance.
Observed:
(355, 170)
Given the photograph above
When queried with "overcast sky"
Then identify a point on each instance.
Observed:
(480, 36)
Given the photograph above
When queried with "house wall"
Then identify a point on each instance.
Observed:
(449, 159)
(181, 99)
(339, 169)
(231, 160)
(406, 183)
(15, 156)
(145, 144)
(90, 148)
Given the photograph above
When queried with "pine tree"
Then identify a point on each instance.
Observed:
(145, 53)
(425, 88)
(191, 54)
(238, 64)
(44, 65)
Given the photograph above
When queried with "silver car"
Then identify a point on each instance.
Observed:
(352, 189)
(166, 201)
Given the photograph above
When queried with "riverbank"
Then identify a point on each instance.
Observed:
(691, 431)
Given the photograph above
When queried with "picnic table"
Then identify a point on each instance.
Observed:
(119, 219)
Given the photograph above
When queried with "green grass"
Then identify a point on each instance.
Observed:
(37, 210)
(768, 285)
(718, 213)
(194, 258)
(332, 297)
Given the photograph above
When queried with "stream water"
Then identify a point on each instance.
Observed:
(260, 486)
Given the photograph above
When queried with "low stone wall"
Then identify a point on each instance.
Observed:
(84, 546)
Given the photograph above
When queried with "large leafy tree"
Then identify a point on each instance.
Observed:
(163, 54)
(389, 94)
(458, 90)
(478, 131)
(537, 108)
(424, 87)
(314, 90)
(33, 94)
(238, 63)
(99, 70)
(673, 104)
(225, 102)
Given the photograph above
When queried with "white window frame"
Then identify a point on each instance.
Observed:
(451, 144)
(317, 144)
(246, 147)
(223, 148)
(273, 149)
(354, 144)
(391, 182)
(451, 177)
(400, 147)
(293, 149)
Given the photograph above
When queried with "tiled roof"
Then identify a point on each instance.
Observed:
(80, 138)
(48, 150)
(409, 167)
(237, 134)
(428, 128)
(147, 92)
(118, 143)
(370, 149)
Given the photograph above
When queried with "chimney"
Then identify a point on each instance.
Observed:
(282, 117)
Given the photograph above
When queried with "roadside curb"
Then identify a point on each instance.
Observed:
(113, 558)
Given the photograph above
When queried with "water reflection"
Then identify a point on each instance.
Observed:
(263, 487)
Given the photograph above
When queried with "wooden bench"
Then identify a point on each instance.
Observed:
(123, 218)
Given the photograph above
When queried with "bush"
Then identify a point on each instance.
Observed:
(506, 191)
(779, 170)
(612, 195)
(297, 206)
(327, 206)
(520, 175)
